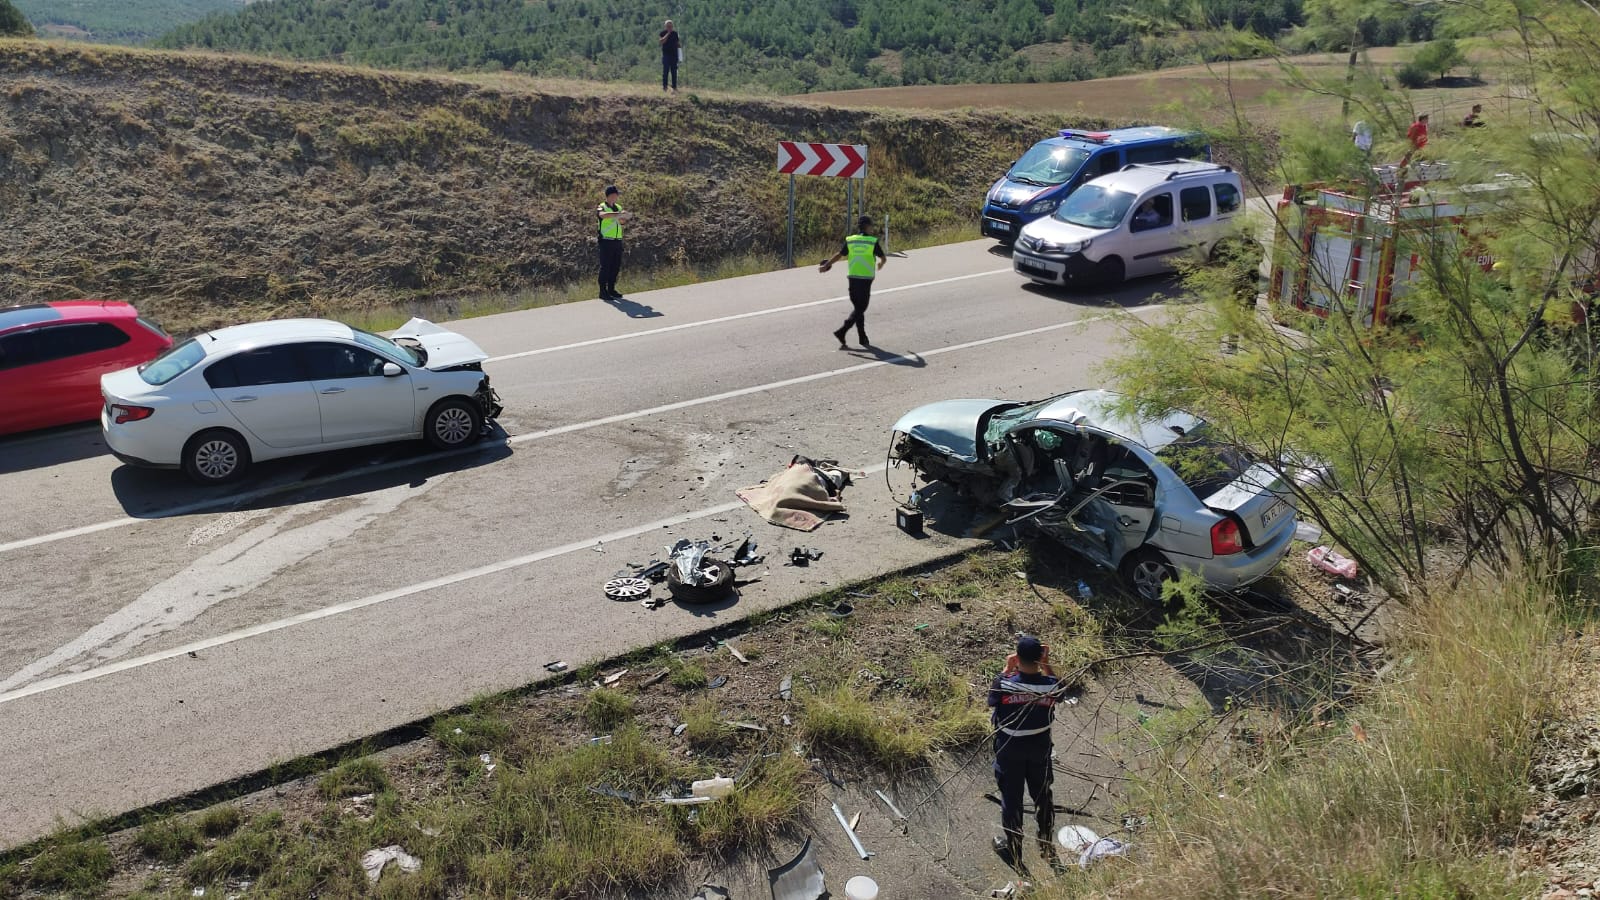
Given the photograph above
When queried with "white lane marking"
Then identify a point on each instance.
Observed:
(61, 681)
(226, 573)
(877, 292)
(805, 379)
(234, 500)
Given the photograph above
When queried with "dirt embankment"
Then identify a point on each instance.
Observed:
(211, 189)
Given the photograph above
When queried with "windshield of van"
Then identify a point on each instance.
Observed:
(1095, 206)
(1048, 164)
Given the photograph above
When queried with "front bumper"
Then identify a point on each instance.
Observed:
(1002, 226)
(1070, 269)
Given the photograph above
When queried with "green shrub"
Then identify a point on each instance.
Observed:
(1413, 76)
(80, 866)
(219, 821)
(251, 851)
(352, 777)
(169, 840)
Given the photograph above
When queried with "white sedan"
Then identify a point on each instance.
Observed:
(217, 402)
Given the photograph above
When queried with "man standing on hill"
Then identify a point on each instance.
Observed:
(611, 215)
(1023, 699)
(865, 254)
(668, 39)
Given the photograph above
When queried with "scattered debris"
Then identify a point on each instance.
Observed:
(718, 681)
(855, 841)
(889, 803)
(488, 763)
(827, 773)
(747, 726)
(786, 721)
(373, 861)
(799, 878)
(1102, 849)
(653, 679)
(953, 605)
(714, 788)
(745, 554)
(615, 676)
(841, 609)
(606, 790)
(685, 801)
(602, 739)
(803, 556)
(861, 887)
(1310, 532)
(908, 519)
(1332, 561)
(1012, 889)
(682, 727)
(786, 688)
(695, 577)
(736, 654)
(854, 821)
(627, 588)
(656, 571)
(557, 666)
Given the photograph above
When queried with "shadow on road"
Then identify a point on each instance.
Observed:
(50, 447)
(910, 360)
(632, 309)
(161, 493)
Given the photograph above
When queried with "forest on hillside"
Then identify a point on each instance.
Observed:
(120, 21)
(790, 47)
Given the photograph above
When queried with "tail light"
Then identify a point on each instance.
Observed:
(1226, 538)
(122, 413)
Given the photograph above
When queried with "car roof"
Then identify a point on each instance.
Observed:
(1079, 137)
(278, 331)
(1094, 408)
(1136, 178)
(14, 317)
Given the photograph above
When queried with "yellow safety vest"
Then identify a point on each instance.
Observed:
(863, 258)
(611, 228)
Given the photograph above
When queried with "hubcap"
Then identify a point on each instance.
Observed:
(216, 459)
(453, 425)
(1147, 579)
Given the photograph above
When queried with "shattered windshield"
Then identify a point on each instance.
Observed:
(412, 352)
(1004, 421)
(1095, 206)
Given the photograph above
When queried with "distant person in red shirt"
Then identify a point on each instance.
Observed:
(1417, 134)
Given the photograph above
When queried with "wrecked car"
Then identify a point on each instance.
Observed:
(1145, 498)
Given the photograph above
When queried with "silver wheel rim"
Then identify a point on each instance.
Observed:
(216, 458)
(1147, 578)
(453, 425)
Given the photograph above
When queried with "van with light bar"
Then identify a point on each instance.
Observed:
(1036, 184)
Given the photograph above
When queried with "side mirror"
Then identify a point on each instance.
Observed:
(390, 370)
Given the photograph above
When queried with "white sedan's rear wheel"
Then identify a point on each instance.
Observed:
(215, 457)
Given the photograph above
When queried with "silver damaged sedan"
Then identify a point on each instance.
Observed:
(1145, 498)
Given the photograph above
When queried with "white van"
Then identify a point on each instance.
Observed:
(1137, 221)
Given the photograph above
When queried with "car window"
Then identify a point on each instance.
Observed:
(260, 366)
(1095, 206)
(1153, 153)
(53, 342)
(176, 361)
(1127, 480)
(1154, 212)
(389, 348)
(325, 361)
(1227, 198)
(1195, 203)
(1204, 464)
(1047, 163)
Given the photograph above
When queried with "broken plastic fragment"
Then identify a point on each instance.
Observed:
(373, 861)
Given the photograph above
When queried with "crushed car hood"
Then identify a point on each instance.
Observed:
(950, 426)
(445, 348)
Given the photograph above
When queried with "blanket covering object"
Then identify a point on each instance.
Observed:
(795, 496)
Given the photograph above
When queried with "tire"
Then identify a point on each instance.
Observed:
(216, 457)
(720, 585)
(452, 423)
(1112, 271)
(1145, 570)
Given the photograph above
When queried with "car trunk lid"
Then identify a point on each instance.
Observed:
(1258, 498)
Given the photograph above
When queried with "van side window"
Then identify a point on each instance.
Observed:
(1106, 163)
(1153, 154)
(1195, 202)
(1227, 198)
(1154, 212)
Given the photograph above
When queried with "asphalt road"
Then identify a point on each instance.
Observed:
(157, 638)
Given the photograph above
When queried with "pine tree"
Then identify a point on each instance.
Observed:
(12, 22)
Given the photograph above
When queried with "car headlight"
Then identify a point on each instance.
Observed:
(1067, 247)
(1043, 207)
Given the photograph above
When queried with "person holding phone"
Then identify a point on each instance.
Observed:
(1023, 698)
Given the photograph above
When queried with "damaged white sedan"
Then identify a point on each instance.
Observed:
(1145, 498)
(219, 401)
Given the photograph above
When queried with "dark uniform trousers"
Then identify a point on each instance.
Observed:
(610, 264)
(1024, 762)
(860, 296)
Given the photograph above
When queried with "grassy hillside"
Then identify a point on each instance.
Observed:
(118, 21)
(211, 189)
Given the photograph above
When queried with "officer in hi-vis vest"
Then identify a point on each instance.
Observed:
(1023, 697)
(865, 254)
(611, 217)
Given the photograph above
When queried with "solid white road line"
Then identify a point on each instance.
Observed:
(236, 499)
(72, 678)
(878, 292)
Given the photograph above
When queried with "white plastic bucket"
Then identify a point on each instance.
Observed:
(861, 888)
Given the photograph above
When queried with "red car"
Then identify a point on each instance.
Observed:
(53, 354)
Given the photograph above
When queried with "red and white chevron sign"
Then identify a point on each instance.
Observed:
(833, 160)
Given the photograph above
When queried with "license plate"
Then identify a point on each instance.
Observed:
(1029, 264)
(1000, 226)
(1273, 511)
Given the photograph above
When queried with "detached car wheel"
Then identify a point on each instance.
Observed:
(215, 457)
(1145, 571)
(453, 423)
(718, 582)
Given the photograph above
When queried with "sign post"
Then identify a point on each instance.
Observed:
(848, 161)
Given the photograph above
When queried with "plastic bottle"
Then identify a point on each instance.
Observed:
(712, 787)
(1083, 590)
